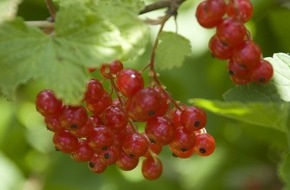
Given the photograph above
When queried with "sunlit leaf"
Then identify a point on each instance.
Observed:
(8, 9)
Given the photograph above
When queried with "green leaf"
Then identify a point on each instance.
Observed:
(284, 171)
(273, 115)
(132, 5)
(172, 50)
(61, 59)
(277, 90)
(8, 9)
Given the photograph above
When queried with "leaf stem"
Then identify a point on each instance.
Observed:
(51, 9)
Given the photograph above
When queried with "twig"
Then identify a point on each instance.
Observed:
(51, 9)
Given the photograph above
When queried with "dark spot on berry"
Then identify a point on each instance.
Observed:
(152, 141)
(202, 150)
(131, 155)
(174, 155)
(262, 80)
(56, 149)
(91, 164)
(107, 156)
(74, 126)
(231, 73)
(151, 113)
(105, 148)
(183, 149)
(197, 124)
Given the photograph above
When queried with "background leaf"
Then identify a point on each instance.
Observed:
(172, 50)
(273, 115)
(284, 171)
(8, 9)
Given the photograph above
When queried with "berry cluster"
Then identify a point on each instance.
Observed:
(106, 128)
(232, 40)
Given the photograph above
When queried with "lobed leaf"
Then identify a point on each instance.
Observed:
(273, 115)
(172, 50)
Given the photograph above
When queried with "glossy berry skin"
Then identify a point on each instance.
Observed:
(183, 140)
(248, 54)
(240, 10)
(47, 103)
(160, 130)
(135, 144)
(126, 162)
(65, 142)
(53, 123)
(94, 91)
(73, 117)
(219, 49)
(204, 144)
(209, 13)
(231, 32)
(110, 155)
(96, 164)
(101, 138)
(152, 168)
(98, 106)
(193, 118)
(263, 73)
(181, 154)
(146, 104)
(155, 148)
(129, 81)
(83, 153)
(115, 67)
(114, 118)
(239, 73)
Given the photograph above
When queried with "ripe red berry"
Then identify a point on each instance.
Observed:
(110, 155)
(263, 73)
(248, 54)
(94, 91)
(127, 162)
(160, 130)
(155, 148)
(219, 49)
(100, 138)
(83, 153)
(65, 142)
(97, 164)
(105, 71)
(115, 67)
(47, 103)
(231, 32)
(146, 104)
(239, 73)
(181, 154)
(98, 106)
(204, 144)
(53, 123)
(73, 117)
(152, 168)
(209, 13)
(183, 139)
(115, 118)
(135, 144)
(240, 10)
(129, 81)
(193, 117)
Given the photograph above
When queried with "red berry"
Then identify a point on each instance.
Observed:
(219, 49)
(193, 118)
(53, 123)
(146, 104)
(129, 81)
(100, 138)
(152, 168)
(110, 155)
(160, 130)
(87, 129)
(47, 103)
(135, 144)
(73, 117)
(97, 164)
(94, 91)
(209, 13)
(240, 10)
(183, 139)
(155, 148)
(98, 106)
(115, 67)
(248, 54)
(83, 152)
(231, 32)
(105, 71)
(239, 73)
(115, 118)
(181, 154)
(204, 144)
(65, 142)
(126, 162)
(263, 73)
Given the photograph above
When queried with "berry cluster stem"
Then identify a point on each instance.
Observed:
(51, 9)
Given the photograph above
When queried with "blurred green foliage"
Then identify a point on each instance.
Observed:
(246, 158)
